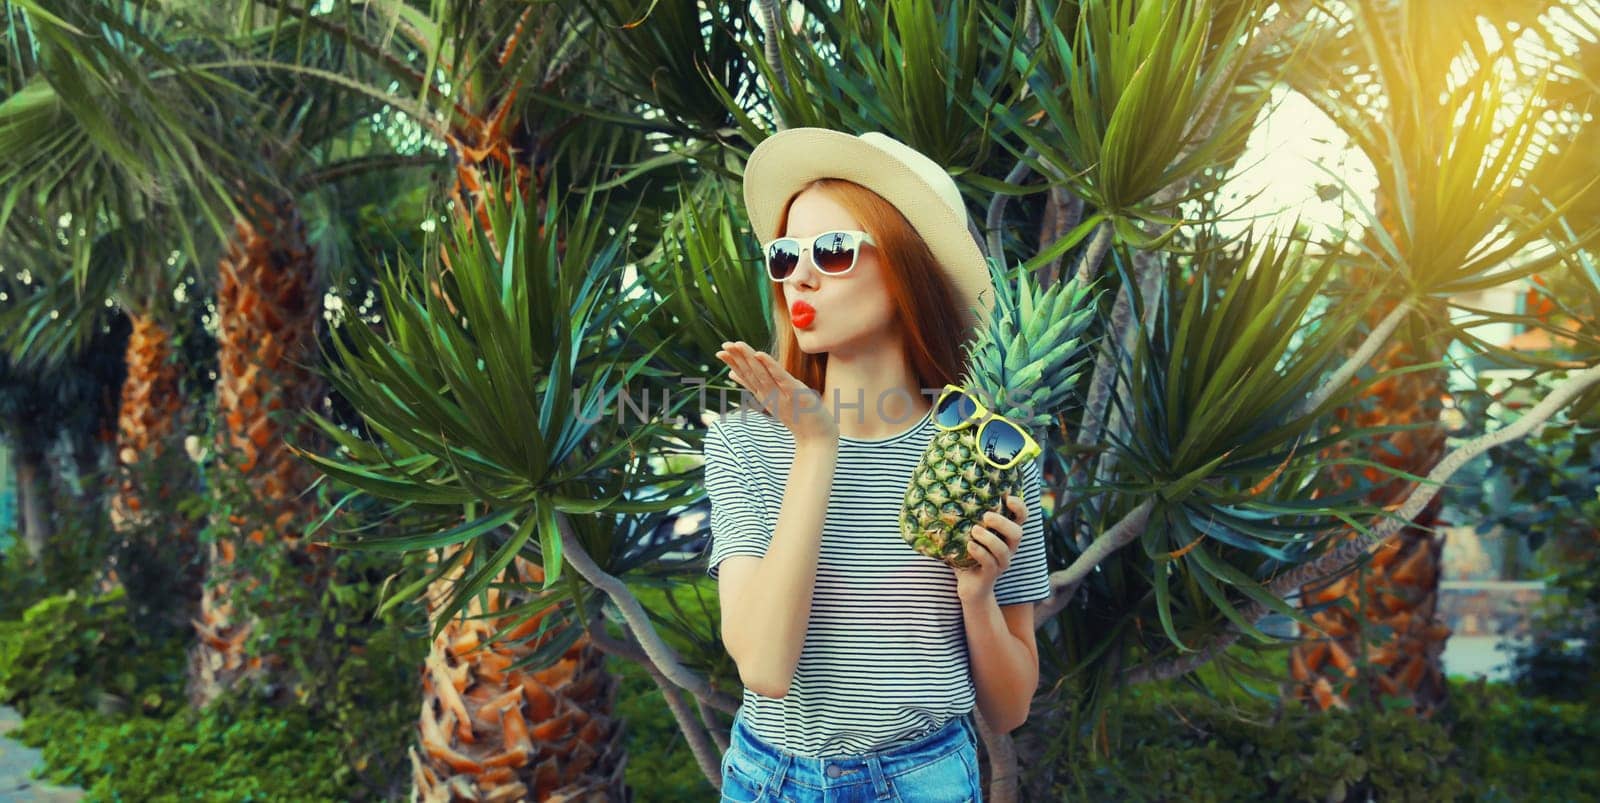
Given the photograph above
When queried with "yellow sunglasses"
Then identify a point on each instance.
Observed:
(1001, 442)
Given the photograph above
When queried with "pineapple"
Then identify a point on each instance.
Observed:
(1021, 366)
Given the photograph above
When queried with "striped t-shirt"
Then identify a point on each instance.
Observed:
(885, 654)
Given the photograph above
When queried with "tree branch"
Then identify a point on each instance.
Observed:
(1375, 340)
(1092, 256)
(1358, 544)
(1063, 210)
(363, 164)
(704, 753)
(997, 205)
(1002, 762)
(1147, 272)
(659, 654)
(1065, 582)
(769, 48)
(718, 735)
(628, 650)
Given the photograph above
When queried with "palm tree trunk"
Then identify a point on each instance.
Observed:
(1398, 591)
(491, 734)
(488, 734)
(151, 469)
(33, 498)
(268, 308)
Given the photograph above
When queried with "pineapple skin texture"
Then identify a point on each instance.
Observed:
(949, 492)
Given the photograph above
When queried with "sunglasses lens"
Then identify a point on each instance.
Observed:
(782, 256)
(834, 252)
(1001, 441)
(953, 409)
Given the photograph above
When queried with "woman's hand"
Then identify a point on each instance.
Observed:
(799, 407)
(992, 547)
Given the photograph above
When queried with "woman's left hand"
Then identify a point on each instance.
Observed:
(991, 543)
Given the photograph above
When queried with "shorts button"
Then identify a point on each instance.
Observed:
(834, 771)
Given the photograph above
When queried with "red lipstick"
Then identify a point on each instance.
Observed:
(802, 314)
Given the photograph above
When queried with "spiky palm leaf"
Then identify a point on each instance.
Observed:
(501, 393)
(101, 126)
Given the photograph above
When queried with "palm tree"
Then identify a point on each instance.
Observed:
(498, 83)
(270, 286)
(67, 399)
(100, 152)
(194, 117)
(155, 555)
(528, 698)
(1434, 216)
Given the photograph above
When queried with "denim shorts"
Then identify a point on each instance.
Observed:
(939, 767)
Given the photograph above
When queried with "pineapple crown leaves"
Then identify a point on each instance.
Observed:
(1026, 356)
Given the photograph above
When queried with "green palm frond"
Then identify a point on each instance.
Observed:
(52, 317)
(1477, 189)
(922, 74)
(709, 275)
(1224, 371)
(109, 122)
(1127, 88)
(668, 56)
(1218, 440)
(495, 382)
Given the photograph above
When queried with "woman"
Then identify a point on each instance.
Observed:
(862, 659)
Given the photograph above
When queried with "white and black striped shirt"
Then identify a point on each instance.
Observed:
(885, 654)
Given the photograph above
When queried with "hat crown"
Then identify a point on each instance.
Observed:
(937, 178)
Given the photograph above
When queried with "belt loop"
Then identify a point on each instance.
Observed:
(774, 783)
(880, 783)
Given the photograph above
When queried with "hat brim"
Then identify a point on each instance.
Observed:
(785, 162)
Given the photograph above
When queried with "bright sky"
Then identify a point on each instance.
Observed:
(1294, 153)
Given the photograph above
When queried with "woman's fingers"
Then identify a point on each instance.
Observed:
(1009, 530)
(775, 372)
(980, 554)
(776, 390)
(980, 551)
(753, 378)
(1017, 507)
(998, 548)
(733, 364)
(792, 393)
(767, 380)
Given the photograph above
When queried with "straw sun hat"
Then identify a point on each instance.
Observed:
(922, 190)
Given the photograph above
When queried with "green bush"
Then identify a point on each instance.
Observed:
(231, 752)
(71, 649)
(22, 579)
(76, 551)
(1488, 744)
(1526, 748)
(60, 659)
(1548, 666)
(350, 745)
